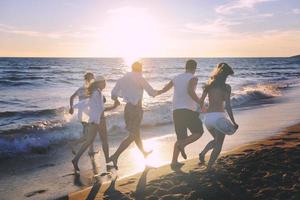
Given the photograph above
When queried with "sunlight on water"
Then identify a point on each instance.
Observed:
(129, 60)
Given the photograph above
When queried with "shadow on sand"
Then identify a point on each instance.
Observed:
(113, 193)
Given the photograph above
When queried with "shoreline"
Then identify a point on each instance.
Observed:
(49, 175)
(243, 162)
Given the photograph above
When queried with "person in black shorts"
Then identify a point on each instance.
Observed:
(184, 120)
(185, 117)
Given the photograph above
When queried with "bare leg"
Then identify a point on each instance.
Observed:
(219, 139)
(81, 140)
(103, 136)
(92, 131)
(208, 147)
(183, 143)
(139, 143)
(124, 145)
(175, 153)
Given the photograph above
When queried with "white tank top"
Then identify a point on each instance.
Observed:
(181, 97)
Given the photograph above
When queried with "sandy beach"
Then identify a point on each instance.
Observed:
(267, 169)
(48, 173)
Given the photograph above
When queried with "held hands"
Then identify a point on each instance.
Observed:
(116, 103)
(71, 111)
(159, 92)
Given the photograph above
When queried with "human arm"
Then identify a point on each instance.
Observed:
(71, 110)
(228, 105)
(146, 86)
(116, 104)
(116, 91)
(191, 90)
(202, 98)
(166, 88)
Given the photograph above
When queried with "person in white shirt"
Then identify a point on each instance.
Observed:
(131, 87)
(81, 93)
(185, 117)
(95, 119)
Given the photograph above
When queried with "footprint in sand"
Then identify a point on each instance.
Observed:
(30, 194)
(70, 174)
(248, 150)
(290, 139)
(127, 183)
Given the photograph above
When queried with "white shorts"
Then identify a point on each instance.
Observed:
(219, 122)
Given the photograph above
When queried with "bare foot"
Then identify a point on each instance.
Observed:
(210, 169)
(71, 145)
(147, 153)
(181, 149)
(114, 161)
(202, 159)
(75, 165)
(177, 165)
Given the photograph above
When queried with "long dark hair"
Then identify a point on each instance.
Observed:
(91, 88)
(219, 76)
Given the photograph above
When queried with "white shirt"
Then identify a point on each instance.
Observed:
(131, 87)
(181, 97)
(96, 107)
(81, 93)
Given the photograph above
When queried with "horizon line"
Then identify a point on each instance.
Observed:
(151, 56)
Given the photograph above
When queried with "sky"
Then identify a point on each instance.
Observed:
(156, 28)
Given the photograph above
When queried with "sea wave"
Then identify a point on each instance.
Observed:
(252, 94)
(30, 113)
(62, 127)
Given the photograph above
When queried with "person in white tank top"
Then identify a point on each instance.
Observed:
(181, 98)
(185, 117)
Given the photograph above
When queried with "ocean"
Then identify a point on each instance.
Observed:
(35, 92)
(35, 126)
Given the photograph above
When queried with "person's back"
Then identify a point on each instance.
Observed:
(215, 119)
(131, 88)
(185, 117)
(181, 98)
(82, 93)
(216, 98)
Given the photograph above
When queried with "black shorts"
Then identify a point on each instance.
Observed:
(186, 119)
(133, 115)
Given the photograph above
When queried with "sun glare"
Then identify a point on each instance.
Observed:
(130, 36)
(154, 159)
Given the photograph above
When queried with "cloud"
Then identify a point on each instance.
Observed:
(266, 15)
(229, 7)
(218, 26)
(296, 11)
(85, 32)
(256, 44)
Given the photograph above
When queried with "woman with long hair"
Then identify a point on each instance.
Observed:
(95, 119)
(82, 95)
(215, 119)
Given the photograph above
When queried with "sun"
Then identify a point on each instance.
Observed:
(132, 34)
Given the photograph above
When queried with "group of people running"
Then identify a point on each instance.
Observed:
(186, 108)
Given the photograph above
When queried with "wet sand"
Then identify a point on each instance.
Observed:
(267, 169)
